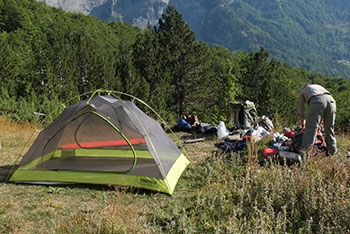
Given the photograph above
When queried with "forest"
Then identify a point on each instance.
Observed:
(49, 58)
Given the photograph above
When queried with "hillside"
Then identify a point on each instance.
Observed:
(314, 35)
(49, 56)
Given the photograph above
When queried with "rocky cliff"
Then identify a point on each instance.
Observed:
(82, 6)
(134, 12)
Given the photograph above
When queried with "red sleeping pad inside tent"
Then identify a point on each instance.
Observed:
(101, 144)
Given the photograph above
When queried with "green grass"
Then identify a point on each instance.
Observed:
(216, 194)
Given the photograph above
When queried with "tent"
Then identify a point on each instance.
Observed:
(103, 140)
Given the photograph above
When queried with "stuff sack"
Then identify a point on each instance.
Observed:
(269, 152)
(284, 158)
(288, 158)
(222, 130)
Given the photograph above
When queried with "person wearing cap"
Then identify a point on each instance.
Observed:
(322, 107)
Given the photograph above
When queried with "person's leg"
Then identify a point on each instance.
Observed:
(188, 127)
(329, 120)
(313, 118)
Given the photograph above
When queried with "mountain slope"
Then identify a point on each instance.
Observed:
(313, 34)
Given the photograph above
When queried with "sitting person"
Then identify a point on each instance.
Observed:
(183, 125)
(187, 123)
(192, 120)
(204, 128)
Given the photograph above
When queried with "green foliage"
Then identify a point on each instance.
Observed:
(56, 55)
(183, 57)
(148, 63)
(340, 90)
(264, 82)
(48, 56)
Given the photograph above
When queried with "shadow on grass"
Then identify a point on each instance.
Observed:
(6, 171)
(195, 135)
(101, 187)
(56, 188)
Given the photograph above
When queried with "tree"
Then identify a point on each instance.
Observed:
(223, 85)
(182, 56)
(147, 55)
(258, 73)
(7, 65)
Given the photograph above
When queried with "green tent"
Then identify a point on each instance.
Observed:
(104, 140)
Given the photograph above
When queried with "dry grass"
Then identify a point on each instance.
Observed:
(199, 150)
(72, 209)
(15, 139)
(214, 195)
(66, 209)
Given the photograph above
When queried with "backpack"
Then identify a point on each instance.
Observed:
(243, 115)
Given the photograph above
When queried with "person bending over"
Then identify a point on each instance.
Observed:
(322, 107)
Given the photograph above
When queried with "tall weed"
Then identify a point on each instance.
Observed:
(234, 197)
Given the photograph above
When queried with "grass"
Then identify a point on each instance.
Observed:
(216, 194)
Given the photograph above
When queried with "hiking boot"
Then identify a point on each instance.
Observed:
(331, 155)
(303, 154)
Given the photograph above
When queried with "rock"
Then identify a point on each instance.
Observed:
(137, 13)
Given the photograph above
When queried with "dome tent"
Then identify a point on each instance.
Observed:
(104, 140)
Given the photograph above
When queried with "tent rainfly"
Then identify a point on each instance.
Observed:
(103, 140)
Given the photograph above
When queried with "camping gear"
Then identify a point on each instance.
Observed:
(182, 125)
(260, 132)
(104, 140)
(298, 136)
(228, 147)
(222, 130)
(288, 158)
(243, 115)
(265, 122)
(207, 129)
(195, 140)
(269, 152)
(276, 145)
(280, 156)
(289, 134)
(234, 137)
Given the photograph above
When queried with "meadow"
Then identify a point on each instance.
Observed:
(218, 193)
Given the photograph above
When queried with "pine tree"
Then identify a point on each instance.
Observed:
(147, 60)
(182, 56)
(258, 73)
(222, 87)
